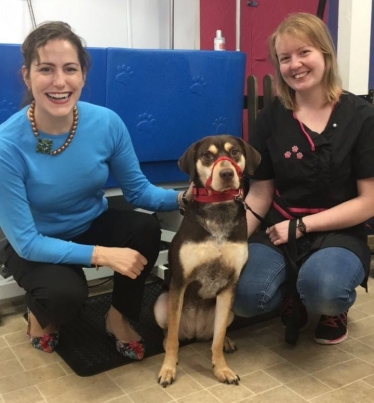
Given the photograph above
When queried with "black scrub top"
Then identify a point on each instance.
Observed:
(313, 172)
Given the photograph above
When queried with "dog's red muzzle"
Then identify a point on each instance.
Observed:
(208, 195)
(233, 163)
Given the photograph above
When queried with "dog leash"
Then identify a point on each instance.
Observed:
(290, 255)
(240, 199)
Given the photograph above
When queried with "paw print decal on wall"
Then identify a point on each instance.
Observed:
(146, 123)
(7, 109)
(220, 126)
(198, 85)
(125, 74)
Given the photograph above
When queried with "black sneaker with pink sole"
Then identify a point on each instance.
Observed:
(332, 329)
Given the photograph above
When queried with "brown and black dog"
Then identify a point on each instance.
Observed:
(207, 254)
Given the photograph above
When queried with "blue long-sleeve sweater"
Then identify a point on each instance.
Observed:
(46, 200)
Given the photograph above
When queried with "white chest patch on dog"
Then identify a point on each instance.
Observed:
(212, 264)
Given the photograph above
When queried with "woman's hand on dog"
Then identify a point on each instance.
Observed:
(189, 194)
(278, 233)
(186, 196)
(125, 261)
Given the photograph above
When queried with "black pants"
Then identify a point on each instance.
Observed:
(56, 293)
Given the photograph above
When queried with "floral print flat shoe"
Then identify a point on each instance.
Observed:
(47, 343)
(133, 350)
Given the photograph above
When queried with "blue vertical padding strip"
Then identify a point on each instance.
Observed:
(11, 84)
(94, 90)
(332, 20)
(371, 60)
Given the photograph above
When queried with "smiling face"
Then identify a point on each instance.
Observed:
(56, 81)
(301, 64)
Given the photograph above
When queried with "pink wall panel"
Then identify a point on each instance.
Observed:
(256, 24)
(217, 14)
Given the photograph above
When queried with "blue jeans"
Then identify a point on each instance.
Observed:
(326, 281)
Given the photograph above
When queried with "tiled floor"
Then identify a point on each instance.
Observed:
(270, 371)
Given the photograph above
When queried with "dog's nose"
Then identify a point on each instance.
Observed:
(226, 174)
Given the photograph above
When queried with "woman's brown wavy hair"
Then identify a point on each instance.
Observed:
(39, 37)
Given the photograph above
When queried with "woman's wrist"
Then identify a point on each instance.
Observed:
(95, 257)
(182, 199)
(301, 227)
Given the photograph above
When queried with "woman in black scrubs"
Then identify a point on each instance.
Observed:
(317, 170)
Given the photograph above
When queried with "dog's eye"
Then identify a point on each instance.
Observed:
(234, 152)
(208, 156)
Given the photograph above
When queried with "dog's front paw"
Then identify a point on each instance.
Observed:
(167, 375)
(226, 375)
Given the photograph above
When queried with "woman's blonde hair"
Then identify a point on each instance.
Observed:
(307, 27)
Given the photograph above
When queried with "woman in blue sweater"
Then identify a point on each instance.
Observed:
(55, 157)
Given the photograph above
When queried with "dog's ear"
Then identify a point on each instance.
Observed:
(253, 159)
(252, 156)
(186, 162)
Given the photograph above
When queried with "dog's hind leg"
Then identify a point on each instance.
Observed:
(229, 345)
(160, 309)
(220, 367)
(167, 374)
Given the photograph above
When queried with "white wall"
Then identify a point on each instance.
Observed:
(146, 24)
(354, 28)
(108, 23)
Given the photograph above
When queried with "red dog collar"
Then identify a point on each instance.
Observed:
(204, 195)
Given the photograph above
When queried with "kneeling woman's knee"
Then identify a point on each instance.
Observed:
(66, 302)
(247, 301)
(327, 298)
(242, 305)
(147, 226)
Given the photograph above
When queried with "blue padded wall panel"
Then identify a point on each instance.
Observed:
(167, 98)
(11, 83)
(94, 90)
(158, 172)
(170, 98)
(12, 87)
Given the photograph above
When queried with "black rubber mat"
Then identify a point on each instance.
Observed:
(86, 348)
